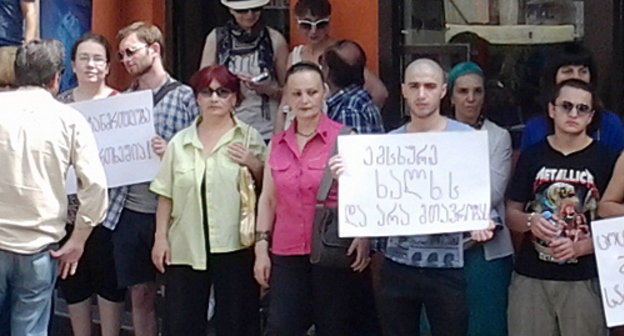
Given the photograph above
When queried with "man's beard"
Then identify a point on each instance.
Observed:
(145, 70)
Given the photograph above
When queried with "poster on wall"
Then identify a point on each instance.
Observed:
(66, 21)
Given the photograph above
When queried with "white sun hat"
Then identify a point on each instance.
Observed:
(244, 4)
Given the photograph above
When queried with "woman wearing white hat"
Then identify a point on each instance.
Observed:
(257, 54)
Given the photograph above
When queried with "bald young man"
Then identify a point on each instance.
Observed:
(425, 270)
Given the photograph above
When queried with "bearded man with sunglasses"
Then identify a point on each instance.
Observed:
(552, 200)
(132, 208)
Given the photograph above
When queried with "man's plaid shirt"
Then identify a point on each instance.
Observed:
(174, 112)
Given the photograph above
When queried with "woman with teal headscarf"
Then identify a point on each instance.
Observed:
(488, 266)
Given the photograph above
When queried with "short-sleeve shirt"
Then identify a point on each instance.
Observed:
(297, 177)
(568, 187)
(431, 251)
(174, 112)
(183, 170)
(11, 22)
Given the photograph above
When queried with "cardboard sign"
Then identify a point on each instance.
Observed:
(412, 184)
(608, 237)
(123, 126)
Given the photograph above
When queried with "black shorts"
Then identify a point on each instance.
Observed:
(95, 272)
(133, 239)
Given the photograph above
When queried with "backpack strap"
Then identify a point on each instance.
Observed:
(162, 92)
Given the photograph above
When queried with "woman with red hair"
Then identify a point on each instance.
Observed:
(197, 240)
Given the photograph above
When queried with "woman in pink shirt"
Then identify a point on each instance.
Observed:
(303, 294)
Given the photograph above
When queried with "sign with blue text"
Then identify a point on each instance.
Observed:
(123, 126)
(608, 236)
(413, 184)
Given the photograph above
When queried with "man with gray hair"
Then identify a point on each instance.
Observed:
(40, 139)
(350, 104)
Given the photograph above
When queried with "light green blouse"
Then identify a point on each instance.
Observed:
(180, 178)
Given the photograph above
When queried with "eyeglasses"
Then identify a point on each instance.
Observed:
(581, 109)
(317, 25)
(97, 59)
(130, 51)
(248, 10)
(221, 92)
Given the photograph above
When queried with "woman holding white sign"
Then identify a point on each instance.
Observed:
(90, 57)
(303, 293)
(197, 240)
(488, 266)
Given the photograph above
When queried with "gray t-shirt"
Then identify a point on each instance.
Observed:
(431, 251)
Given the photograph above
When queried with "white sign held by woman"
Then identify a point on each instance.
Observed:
(123, 126)
(416, 183)
(608, 236)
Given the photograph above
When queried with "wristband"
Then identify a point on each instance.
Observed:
(263, 235)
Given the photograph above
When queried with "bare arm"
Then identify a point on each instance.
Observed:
(281, 57)
(209, 55)
(266, 217)
(520, 221)
(611, 204)
(29, 12)
(161, 254)
(376, 88)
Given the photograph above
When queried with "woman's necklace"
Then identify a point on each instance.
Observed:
(307, 135)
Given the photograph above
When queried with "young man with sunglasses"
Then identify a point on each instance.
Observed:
(132, 208)
(552, 201)
(574, 61)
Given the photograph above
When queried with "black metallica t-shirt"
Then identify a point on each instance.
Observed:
(565, 188)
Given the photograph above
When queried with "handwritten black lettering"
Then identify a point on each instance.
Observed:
(108, 121)
(615, 297)
(125, 153)
(453, 189)
(411, 178)
(369, 152)
(382, 217)
(354, 215)
(605, 241)
(435, 192)
(382, 190)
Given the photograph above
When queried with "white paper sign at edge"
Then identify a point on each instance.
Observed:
(608, 237)
(442, 186)
(127, 172)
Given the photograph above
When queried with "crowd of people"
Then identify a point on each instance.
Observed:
(278, 115)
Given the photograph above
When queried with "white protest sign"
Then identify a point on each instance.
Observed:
(411, 184)
(123, 126)
(608, 236)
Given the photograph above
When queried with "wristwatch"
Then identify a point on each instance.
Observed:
(263, 235)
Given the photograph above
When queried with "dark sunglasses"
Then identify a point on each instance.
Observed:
(248, 10)
(129, 52)
(221, 92)
(318, 24)
(581, 109)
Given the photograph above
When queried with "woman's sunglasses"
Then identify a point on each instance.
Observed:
(248, 10)
(317, 25)
(221, 92)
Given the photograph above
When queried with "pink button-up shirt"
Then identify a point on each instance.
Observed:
(297, 177)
